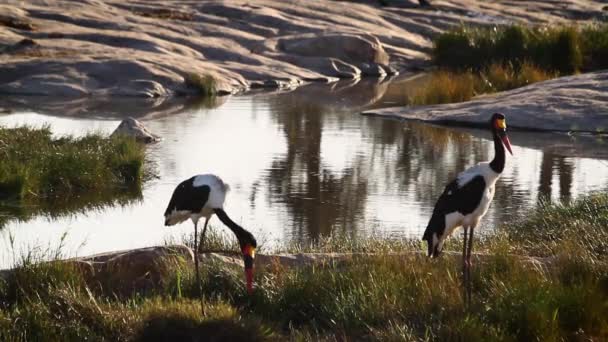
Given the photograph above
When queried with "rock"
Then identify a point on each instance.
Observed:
(566, 104)
(326, 66)
(391, 71)
(134, 128)
(44, 85)
(100, 47)
(139, 270)
(138, 88)
(274, 84)
(349, 48)
(374, 70)
(16, 22)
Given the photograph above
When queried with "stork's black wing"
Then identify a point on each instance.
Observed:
(463, 199)
(186, 196)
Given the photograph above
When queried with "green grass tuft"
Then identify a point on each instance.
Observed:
(205, 84)
(40, 173)
(562, 49)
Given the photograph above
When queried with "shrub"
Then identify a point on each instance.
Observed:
(563, 49)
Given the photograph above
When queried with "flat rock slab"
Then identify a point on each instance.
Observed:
(150, 49)
(568, 104)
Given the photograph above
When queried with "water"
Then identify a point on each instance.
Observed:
(301, 164)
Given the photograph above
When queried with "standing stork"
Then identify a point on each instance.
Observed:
(466, 200)
(203, 196)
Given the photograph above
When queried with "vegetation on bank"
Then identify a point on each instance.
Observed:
(373, 297)
(562, 49)
(474, 61)
(206, 85)
(66, 173)
(444, 86)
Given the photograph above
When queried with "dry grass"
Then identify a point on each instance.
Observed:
(367, 298)
(443, 86)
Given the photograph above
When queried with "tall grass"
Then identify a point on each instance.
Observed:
(563, 49)
(370, 297)
(53, 174)
(444, 86)
(206, 85)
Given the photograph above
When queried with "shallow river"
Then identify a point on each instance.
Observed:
(301, 164)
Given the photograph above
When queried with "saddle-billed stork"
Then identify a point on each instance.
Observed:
(203, 196)
(466, 200)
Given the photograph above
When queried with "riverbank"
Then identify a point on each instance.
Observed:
(41, 173)
(153, 50)
(567, 104)
(370, 295)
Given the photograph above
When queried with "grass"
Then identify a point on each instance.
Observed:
(473, 61)
(561, 49)
(206, 85)
(54, 175)
(379, 297)
(445, 86)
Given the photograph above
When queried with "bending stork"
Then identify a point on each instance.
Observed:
(467, 199)
(203, 196)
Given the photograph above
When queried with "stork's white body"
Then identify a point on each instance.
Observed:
(217, 196)
(456, 219)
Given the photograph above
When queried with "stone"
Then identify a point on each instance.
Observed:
(567, 104)
(349, 48)
(138, 88)
(132, 127)
(374, 70)
(99, 47)
(139, 270)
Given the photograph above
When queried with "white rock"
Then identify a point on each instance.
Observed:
(134, 128)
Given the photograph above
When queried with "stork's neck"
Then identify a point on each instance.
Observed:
(241, 234)
(498, 163)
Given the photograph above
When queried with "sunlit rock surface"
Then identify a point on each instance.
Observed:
(569, 104)
(148, 48)
(136, 129)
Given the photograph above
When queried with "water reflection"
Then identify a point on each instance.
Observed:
(23, 211)
(304, 163)
(106, 108)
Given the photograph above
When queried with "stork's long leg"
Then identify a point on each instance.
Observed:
(469, 249)
(198, 274)
(465, 273)
(464, 249)
(200, 245)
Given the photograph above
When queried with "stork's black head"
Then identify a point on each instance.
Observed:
(434, 246)
(248, 246)
(498, 125)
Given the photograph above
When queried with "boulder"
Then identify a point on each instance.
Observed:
(350, 48)
(138, 270)
(138, 88)
(134, 128)
(371, 69)
(327, 66)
